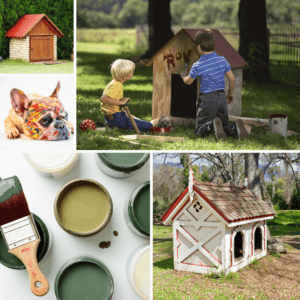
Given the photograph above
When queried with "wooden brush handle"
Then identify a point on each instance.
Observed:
(136, 129)
(28, 255)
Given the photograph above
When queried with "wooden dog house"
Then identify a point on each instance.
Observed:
(171, 97)
(217, 227)
(33, 38)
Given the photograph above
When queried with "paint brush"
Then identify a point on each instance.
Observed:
(19, 232)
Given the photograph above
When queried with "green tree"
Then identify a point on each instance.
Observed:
(134, 12)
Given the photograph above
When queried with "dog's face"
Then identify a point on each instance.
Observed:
(44, 117)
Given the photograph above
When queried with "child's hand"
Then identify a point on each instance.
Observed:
(229, 98)
(124, 101)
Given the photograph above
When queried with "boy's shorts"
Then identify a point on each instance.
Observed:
(121, 120)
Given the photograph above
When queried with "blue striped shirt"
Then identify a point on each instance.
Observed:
(210, 69)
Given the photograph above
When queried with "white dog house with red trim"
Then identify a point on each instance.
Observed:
(217, 227)
(33, 38)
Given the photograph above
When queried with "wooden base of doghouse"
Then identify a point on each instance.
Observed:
(207, 270)
(153, 137)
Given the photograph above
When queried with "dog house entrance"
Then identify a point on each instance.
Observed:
(183, 98)
(238, 246)
(257, 240)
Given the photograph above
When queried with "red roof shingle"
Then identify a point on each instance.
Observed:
(26, 23)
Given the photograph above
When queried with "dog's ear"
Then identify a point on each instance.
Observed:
(19, 101)
(54, 94)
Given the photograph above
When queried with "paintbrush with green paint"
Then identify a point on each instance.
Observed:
(19, 232)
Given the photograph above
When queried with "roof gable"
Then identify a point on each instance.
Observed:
(26, 23)
(222, 47)
(233, 203)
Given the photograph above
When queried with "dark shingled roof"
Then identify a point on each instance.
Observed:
(222, 47)
(233, 203)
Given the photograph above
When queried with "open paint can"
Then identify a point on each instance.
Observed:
(137, 210)
(138, 270)
(84, 278)
(44, 247)
(83, 207)
(52, 164)
(278, 123)
(121, 165)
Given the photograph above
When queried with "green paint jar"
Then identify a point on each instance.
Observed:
(83, 207)
(11, 261)
(121, 165)
(137, 210)
(84, 278)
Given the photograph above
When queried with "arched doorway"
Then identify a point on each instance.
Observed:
(257, 239)
(238, 245)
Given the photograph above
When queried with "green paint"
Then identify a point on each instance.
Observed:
(83, 207)
(9, 187)
(139, 208)
(84, 280)
(12, 261)
(124, 159)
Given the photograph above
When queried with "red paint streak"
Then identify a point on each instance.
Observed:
(174, 204)
(183, 206)
(265, 235)
(24, 250)
(230, 249)
(178, 242)
(170, 60)
(212, 255)
(189, 234)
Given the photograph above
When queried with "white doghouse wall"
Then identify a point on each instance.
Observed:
(204, 243)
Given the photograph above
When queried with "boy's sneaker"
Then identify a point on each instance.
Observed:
(242, 132)
(218, 127)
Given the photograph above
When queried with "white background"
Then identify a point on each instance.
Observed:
(43, 85)
(40, 193)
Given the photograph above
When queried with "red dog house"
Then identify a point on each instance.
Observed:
(171, 97)
(33, 38)
(217, 227)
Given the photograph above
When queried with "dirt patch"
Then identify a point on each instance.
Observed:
(271, 278)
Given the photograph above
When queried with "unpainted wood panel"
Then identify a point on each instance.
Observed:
(175, 55)
(41, 48)
(42, 28)
(161, 97)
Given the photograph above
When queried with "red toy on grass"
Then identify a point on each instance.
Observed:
(87, 124)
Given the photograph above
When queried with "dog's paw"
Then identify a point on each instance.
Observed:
(13, 133)
(71, 127)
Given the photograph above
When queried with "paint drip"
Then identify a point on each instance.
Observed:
(115, 233)
(104, 245)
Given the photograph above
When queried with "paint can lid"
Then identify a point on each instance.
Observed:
(84, 278)
(50, 162)
(139, 208)
(124, 162)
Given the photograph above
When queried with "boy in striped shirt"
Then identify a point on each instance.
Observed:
(211, 106)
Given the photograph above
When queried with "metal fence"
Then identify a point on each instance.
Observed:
(284, 45)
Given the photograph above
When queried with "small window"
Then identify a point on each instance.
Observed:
(257, 240)
(239, 246)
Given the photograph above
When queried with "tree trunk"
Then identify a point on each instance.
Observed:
(252, 173)
(159, 22)
(254, 38)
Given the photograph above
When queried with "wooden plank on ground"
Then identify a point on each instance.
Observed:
(152, 137)
(133, 143)
(251, 121)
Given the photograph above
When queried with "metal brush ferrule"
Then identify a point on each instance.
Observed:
(19, 232)
(186, 65)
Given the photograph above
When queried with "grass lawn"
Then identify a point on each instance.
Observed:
(262, 279)
(20, 66)
(280, 94)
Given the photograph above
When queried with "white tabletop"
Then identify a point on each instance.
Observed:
(40, 193)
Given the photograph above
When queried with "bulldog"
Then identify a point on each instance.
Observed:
(38, 117)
